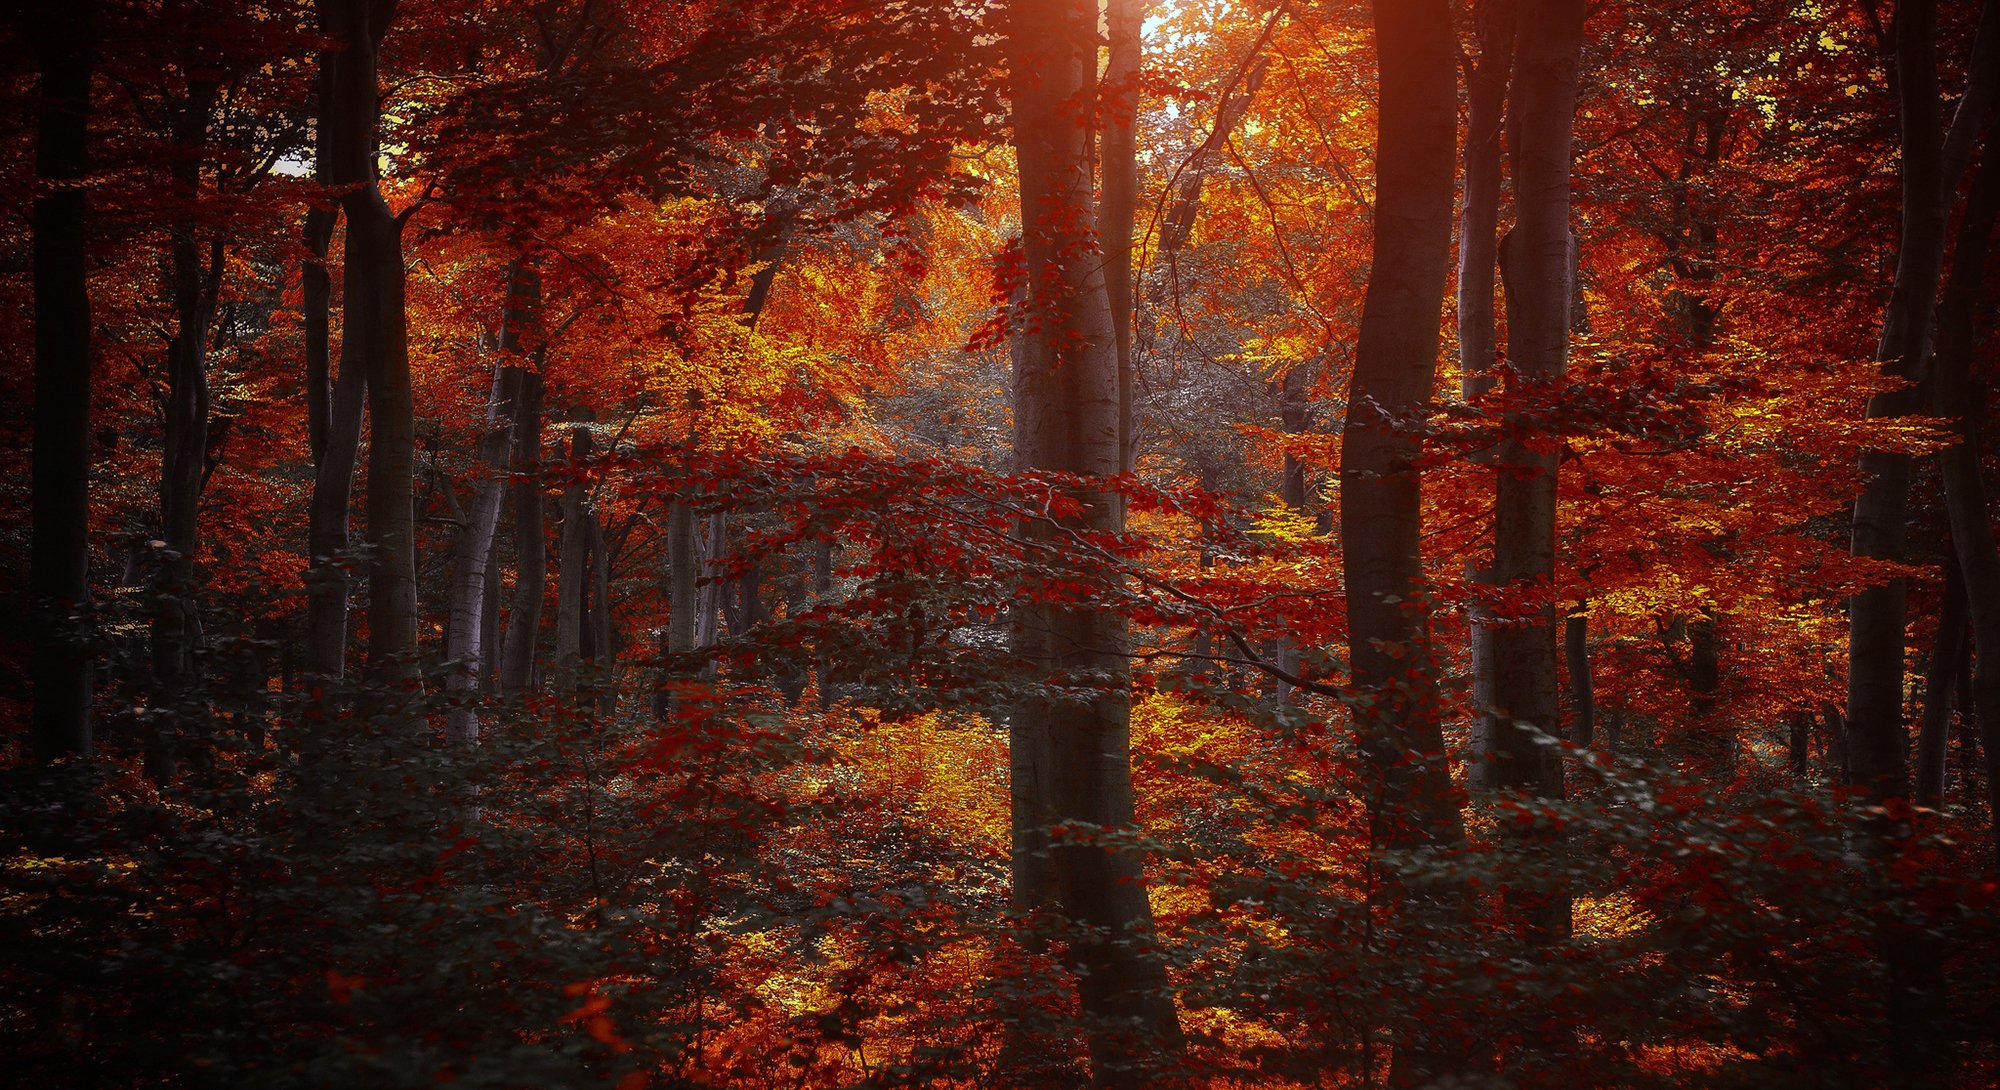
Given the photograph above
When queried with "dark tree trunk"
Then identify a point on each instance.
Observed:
(1071, 753)
(1582, 688)
(1478, 257)
(194, 282)
(375, 279)
(466, 625)
(1296, 416)
(59, 561)
(1541, 269)
(572, 580)
(1966, 500)
(1118, 156)
(531, 549)
(1940, 685)
(1394, 667)
(373, 352)
(1876, 738)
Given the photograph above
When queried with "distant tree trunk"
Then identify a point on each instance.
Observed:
(822, 588)
(1934, 728)
(1713, 744)
(64, 41)
(572, 586)
(1178, 223)
(1296, 416)
(1478, 256)
(176, 625)
(1539, 297)
(708, 598)
(1799, 747)
(531, 556)
(1071, 753)
(1876, 737)
(1413, 804)
(1582, 688)
(1118, 157)
(465, 646)
(683, 598)
(599, 648)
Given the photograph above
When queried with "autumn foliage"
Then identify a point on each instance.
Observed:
(792, 545)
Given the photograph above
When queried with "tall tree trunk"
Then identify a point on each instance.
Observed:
(1966, 500)
(465, 647)
(531, 556)
(1539, 289)
(375, 255)
(1478, 256)
(373, 352)
(1414, 807)
(1295, 415)
(1876, 738)
(1582, 688)
(1934, 727)
(572, 580)
(1069, 417)
(64, 40)
(683, 598)
(1118, 157)
(176, 624)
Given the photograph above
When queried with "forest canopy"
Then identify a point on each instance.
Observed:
(804, 545)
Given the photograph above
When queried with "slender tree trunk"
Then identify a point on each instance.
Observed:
(1934, 729)
(373, 353)
(572, 586)
(392, 437)
(1394, 370)
(1582, 688)
(64, 40)
(176, 624)
(1539, 290)
(1478, 256)
(1966, 499)
(531, 555)
(1296, 416)
(1069, 417)
(1394, 665)
(1875, 730)
(465, 647)
(1118, 156)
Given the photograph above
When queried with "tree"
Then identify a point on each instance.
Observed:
(1397, 710)
(1540, 269)
(1071, 760)
(59, 579)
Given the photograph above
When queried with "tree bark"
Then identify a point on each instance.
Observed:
(472, 557)
(1478, 257)
(1582, 689)
(572, 580)
(1539, 290)
(1934, 727)
(1876, 738)
(374, 352)
(1118, 156)
(1072, 750)
(531, 556)
(64, 41)
(194, 282)
(1966, 500)
(1394, 668)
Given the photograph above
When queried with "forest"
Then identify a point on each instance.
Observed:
(1013, 544)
